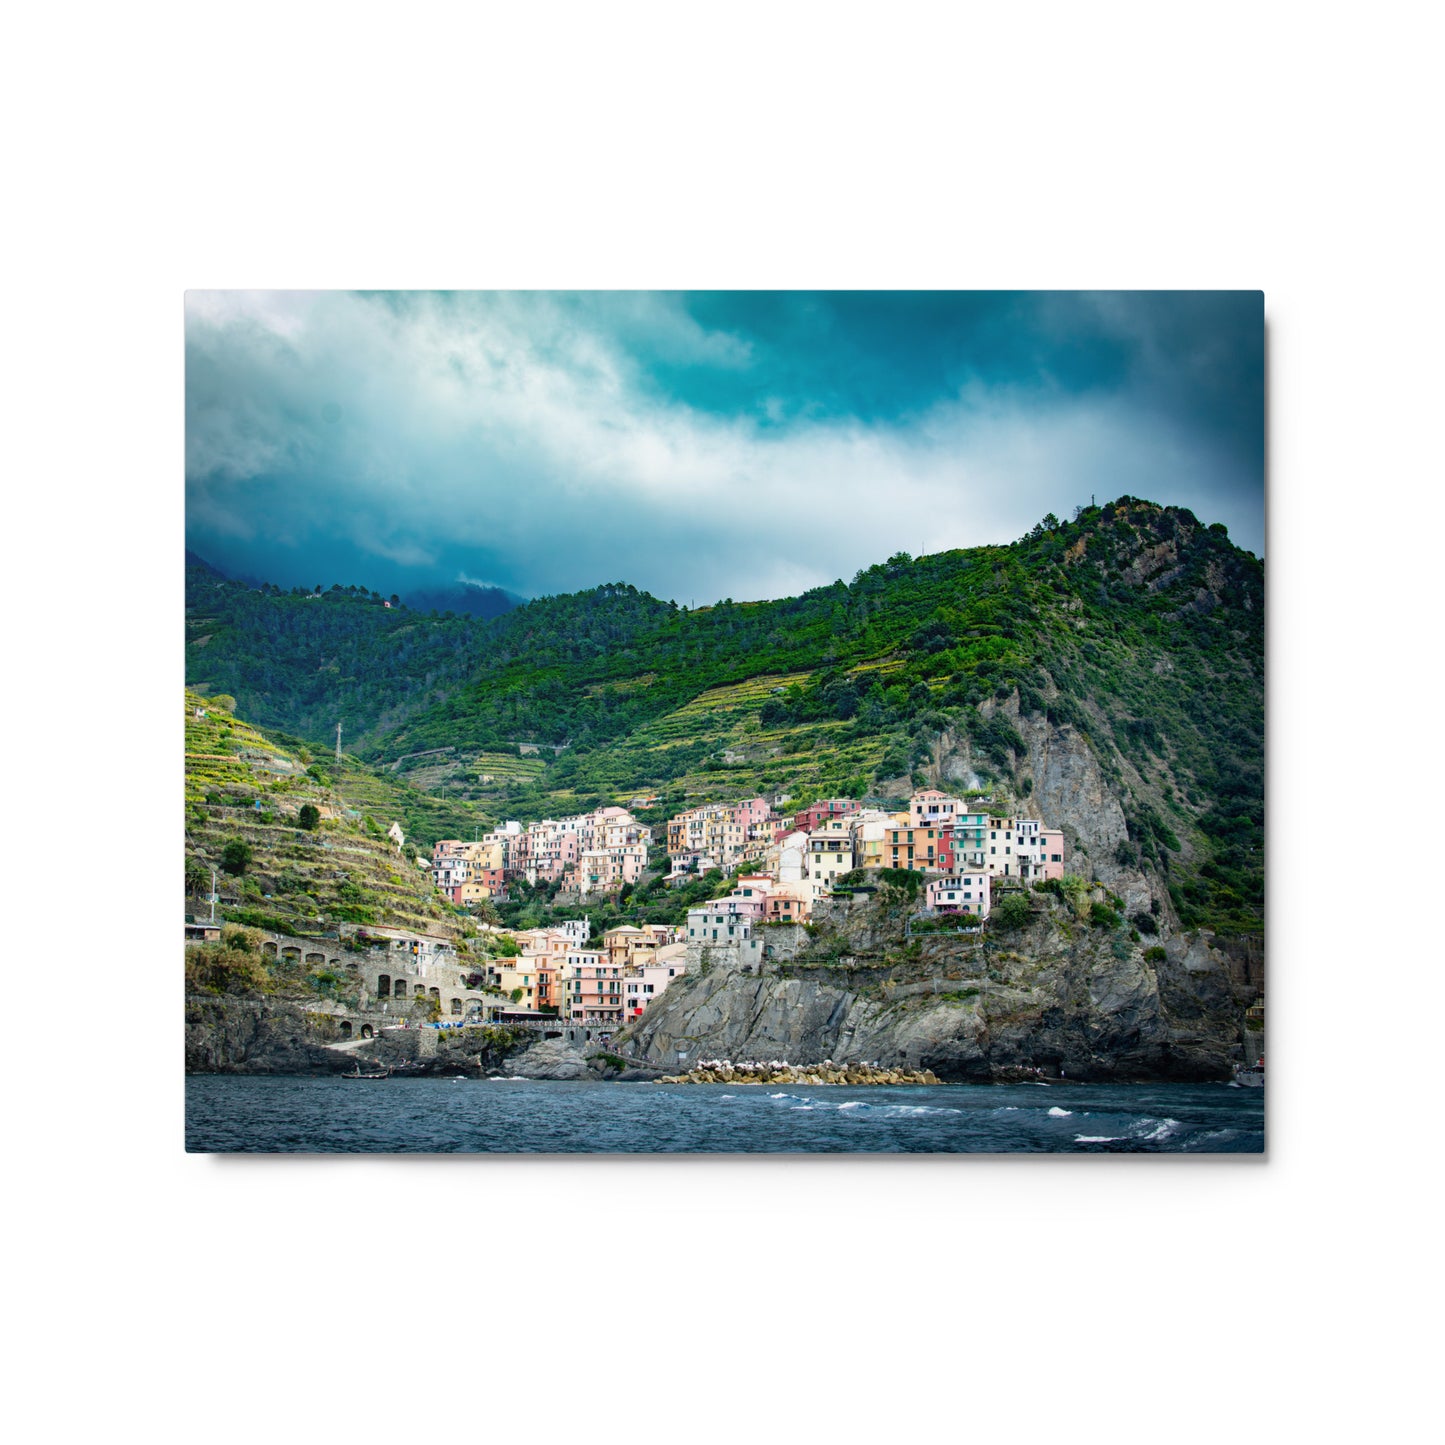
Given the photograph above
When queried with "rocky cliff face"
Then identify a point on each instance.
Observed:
(1070, 792)
(250, 1035)
(1058, 995)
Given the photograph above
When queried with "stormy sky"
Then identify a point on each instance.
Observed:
(698, 445)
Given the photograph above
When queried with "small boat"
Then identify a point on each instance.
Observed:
(357, 1074)
(1250, 1076)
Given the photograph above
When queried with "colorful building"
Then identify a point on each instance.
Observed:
(817, 813)
(958, 893)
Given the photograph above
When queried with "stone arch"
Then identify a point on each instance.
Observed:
(316, 958)
(269, 949)
(436, 993)
(346, 1028)
(292, 953)
(353, 968)
(366, 1031)
(399, 988)
(383, 985)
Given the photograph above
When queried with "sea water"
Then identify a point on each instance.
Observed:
(229, 1114)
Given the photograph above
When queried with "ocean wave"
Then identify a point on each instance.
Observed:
(1058, 1113)
(1097, 1138)
(855, 1104)
(1164, 1129)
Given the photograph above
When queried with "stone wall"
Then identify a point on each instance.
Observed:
(375, 972)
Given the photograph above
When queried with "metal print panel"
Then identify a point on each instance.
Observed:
(741, 722)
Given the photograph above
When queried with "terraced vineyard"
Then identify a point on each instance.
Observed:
(716, 747)
(241, 785)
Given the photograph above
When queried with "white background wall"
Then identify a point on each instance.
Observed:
(1117, 144)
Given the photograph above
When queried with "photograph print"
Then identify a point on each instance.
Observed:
(741, 722)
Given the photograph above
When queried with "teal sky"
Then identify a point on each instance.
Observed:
(699, 445)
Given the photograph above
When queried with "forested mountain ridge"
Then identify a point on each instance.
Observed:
(1132, 632)
(303, 661)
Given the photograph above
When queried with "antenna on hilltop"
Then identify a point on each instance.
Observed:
(338, 742)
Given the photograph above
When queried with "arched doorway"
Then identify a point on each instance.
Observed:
(346, 1028)
(366, 1031)
(383, 985)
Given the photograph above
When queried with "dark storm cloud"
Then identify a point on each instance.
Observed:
(698, 445)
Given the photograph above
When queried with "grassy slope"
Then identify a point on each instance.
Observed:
(344, 870)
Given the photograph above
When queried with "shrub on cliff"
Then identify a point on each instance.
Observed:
(236, 857)
(309, 817)
(1102, 916)
(1154, 954)
(217, 968)
(899, 884)
(1013, 912)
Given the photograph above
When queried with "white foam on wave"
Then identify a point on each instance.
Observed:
(1164, 1129)
(909, 1109)
(854, 1104)
(1097, 1138)
(1058, 1113)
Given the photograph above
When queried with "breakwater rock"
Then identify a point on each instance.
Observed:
(549, 1059)
(725, 1072)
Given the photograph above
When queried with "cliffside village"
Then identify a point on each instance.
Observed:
(784, 866)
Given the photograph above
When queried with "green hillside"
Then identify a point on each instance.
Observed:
(293, 878)
(1133, 624)
(304, 661)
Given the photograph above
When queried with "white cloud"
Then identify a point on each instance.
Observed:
(517, 432)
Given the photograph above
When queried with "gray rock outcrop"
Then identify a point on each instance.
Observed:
(549, 1059)
(1057, 996)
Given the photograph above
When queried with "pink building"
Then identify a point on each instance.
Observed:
(785, 908)
(815, 814)
(645, 983)
(748, 815)
(1051, 852)
(594, 989)
(958, 893)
